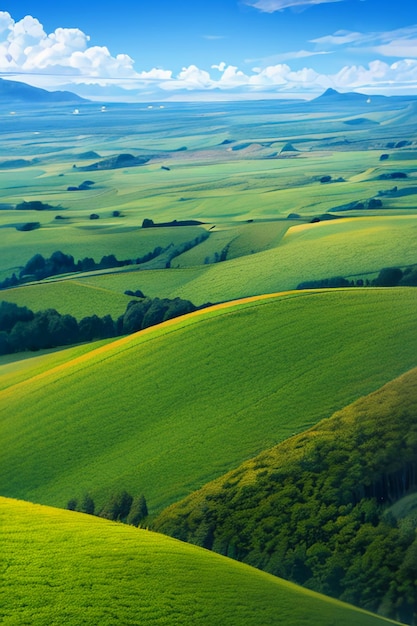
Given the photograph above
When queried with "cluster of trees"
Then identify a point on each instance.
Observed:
(148, 223)
(318, 508)
(21, 329)
(387, 277)
(120, 507)
(34, 205)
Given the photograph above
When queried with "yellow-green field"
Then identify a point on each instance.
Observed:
(61, 567)
(16, 368)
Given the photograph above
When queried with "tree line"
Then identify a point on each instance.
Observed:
(120, 507)
(387, 277)
(22, 329)
(39, 267)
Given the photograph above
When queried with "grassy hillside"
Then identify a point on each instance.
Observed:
(347, 247)
(329, 508)
(67, 568)
(168, 409)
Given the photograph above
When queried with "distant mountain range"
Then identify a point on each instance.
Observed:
(16, 92)
(331, 96)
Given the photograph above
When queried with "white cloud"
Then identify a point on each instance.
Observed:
(190, 77)
(221, 66)
(156, 74)
(398, 48)
(25, 47)
(339, 38)
(270, 6)
(377, 74)
(401, 42)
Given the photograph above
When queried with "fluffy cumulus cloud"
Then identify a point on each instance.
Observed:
(377, 76)
(26, 48)
(270, 6)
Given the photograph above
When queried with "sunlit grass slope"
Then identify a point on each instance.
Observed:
(345, 247)
(62, 567)
(15, 368)
(164, 411)
(309, 252)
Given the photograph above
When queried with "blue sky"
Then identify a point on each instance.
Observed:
(211, 49)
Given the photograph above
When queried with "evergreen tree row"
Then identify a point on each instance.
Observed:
(120, 507)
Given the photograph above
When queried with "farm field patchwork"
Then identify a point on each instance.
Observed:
(276, 193)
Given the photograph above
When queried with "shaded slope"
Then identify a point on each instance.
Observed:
(68, 296)
(168, 409)
(67, 568)
(313, 509)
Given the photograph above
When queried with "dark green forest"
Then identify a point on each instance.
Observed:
(326, 508)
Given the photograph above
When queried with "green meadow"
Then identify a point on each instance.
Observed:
(223, 165)
(164, 411)
(62, 567)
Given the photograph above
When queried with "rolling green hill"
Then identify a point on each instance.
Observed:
(329, 508)
(62, 567)
(354, 247)
(164, 411)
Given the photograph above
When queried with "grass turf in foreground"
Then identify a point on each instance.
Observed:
(67, 568)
